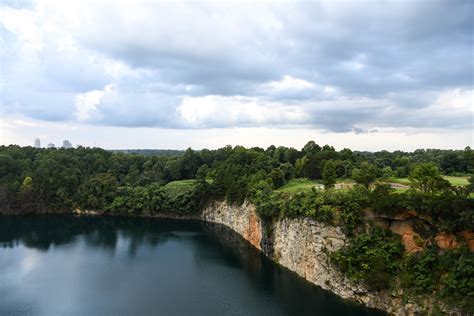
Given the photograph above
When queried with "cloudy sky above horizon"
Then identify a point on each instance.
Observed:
(367, 75)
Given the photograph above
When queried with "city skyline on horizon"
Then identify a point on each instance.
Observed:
(37, 143)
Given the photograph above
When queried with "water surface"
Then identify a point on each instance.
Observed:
(65, 265)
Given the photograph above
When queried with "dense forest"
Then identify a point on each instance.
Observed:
(335, 187)
(93, 178)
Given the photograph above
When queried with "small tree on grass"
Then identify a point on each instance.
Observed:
(366, 174)
(278, 178)
(427, 178)
(329, 174)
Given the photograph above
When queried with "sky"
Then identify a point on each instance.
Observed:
(366, 75)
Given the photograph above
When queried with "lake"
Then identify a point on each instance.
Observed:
(66, 265)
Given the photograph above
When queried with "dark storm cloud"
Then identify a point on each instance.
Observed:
(427, 42)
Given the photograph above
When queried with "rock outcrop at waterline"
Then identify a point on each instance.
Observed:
(303, 245)
(242, 219)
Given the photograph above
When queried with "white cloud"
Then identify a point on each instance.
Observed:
(218, 111)
(23, 23)
(354, 65)
(329, 89)
(289, 83)
(26, 123)
(86, 103)
(455, 99)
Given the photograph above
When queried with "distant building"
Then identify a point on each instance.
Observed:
(51, 145)
(37, 143)
(67, 144)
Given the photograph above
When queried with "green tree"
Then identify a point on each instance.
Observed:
(387, 172)
(329, 174)
(263, 197)
(202, 172)
(427, 178)
(383, 198)
(98, 191)
(310, 166)
(300, 167)
(366, 174)
(189, 164)
(468, 157)
(311, 147)
(278, 178)
(372, 258)
(402, 166)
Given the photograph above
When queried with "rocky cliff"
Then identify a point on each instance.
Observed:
(242, 219)
(302, 245)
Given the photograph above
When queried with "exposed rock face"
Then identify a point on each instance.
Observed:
(302, 245)
(449, 241)
(446, 241)
(469, 238)
(401, 224)
(242, 219)
(410, 238)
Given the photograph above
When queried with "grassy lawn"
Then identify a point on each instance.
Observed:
(303, 184)
(298, 185)
(181, 184)
(177, 188)
(456, 181)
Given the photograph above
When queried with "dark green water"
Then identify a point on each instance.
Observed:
(64, 265)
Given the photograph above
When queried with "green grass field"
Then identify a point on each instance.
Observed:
(298, 185)
(177, 188)
(303, 184)
(456, 181)
(181, 184)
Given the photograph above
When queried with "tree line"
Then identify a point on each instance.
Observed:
(93, 178)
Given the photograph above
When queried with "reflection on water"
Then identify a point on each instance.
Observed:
(132, 266)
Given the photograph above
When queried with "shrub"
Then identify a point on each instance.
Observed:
(457, 286)
(420, 271)
(384, 199)
(372, 258)
(265, 200)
